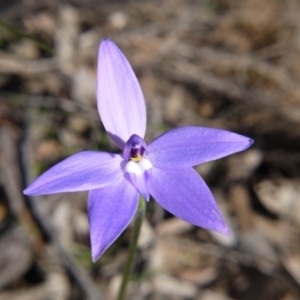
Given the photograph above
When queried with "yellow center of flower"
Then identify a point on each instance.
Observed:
(136, 158)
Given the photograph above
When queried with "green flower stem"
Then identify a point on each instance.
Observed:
(139, 216)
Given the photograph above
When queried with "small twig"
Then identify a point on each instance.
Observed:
(49, 102)
(12, 64)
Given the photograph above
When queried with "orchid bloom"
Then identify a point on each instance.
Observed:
(162, 169)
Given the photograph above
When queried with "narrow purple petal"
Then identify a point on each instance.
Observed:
(184, 194)
(189, 146)
(141, 182)
(80, 172)
(110, 210)
(120, 99)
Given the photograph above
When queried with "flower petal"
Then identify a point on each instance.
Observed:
(184, 194)
(120, 99)
(141, 182)
(189, 146)
(80, 172)
(110, 210)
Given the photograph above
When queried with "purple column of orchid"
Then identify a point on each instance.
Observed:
(162, 169)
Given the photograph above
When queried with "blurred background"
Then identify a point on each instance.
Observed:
(231, 64)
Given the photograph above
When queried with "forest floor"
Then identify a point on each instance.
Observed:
(227, 64)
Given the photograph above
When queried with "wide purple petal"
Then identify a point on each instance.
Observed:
(120, 99)
(110, 210)
(80, 172)
(184, 194)
(189, 146)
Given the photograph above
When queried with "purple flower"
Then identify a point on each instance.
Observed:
(162, 169)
